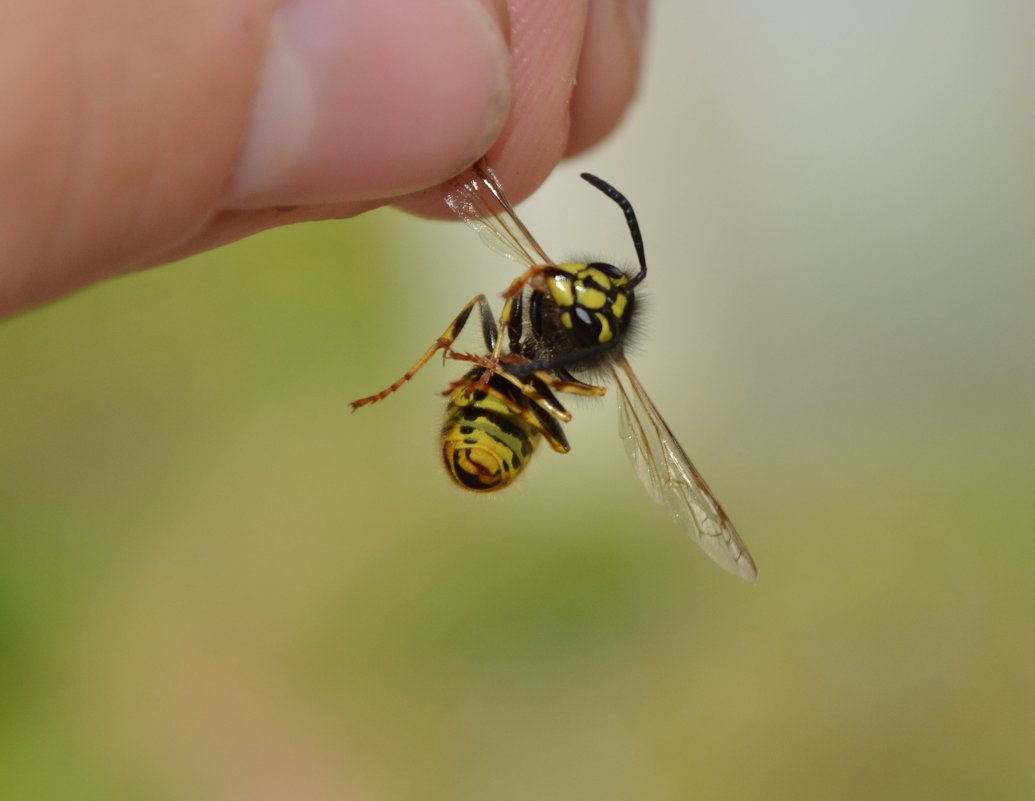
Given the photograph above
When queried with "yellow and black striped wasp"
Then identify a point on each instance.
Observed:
(501, 408)
(559, 320)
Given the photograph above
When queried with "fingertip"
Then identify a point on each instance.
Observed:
(546, 37)
(367, 100)
(608, 72)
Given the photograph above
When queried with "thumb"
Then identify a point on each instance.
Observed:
(129, 127)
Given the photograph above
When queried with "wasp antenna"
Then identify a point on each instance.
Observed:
(630, 219)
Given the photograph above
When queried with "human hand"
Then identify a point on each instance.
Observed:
(136, 133)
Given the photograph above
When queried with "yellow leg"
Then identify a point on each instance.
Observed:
(572, 387)
(442, 343)
(492, 363)
(527, 389)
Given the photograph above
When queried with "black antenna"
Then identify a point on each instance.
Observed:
(630, 219)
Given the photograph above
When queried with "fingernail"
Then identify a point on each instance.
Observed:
(358, 101)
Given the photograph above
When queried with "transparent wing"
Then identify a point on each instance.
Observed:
(476, 197)
(671, 478)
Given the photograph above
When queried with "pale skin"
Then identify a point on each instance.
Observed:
(135, 134)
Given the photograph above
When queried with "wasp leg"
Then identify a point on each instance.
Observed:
(545, 413)
(511, 321)
(442, 343)
(573, 386)
(516, 325)
(529, 276)
(508, 322)
(545, 400)
(550, 423)
(542, 399)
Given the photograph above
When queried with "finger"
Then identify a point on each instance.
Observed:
(553, 113)
(546, 38)
(130, 126)
(229, 226)
(372, 100)
(576, 67)
(100, 157)
(608, 70)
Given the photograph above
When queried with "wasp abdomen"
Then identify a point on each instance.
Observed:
(485, 444)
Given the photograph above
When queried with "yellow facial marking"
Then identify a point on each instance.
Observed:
(561, 290)
(589, 297)
(618, 307)
(598, 277)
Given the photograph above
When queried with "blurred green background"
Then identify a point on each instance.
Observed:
(217, 583)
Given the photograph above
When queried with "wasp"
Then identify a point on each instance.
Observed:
(499, 411)
(558, 321)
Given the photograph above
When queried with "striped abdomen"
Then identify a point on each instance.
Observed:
(486, 441)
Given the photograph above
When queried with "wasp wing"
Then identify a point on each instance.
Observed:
(477, 198)
(671, 478)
